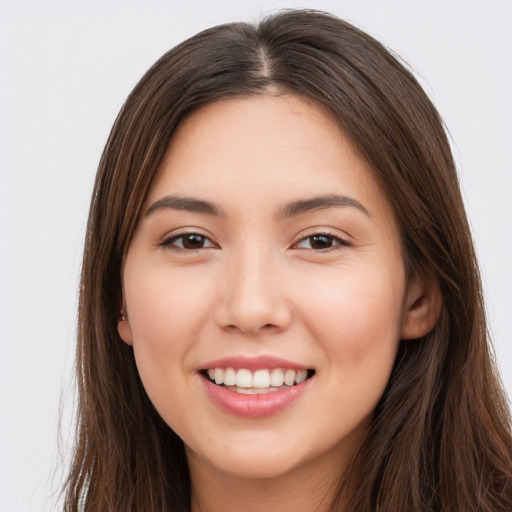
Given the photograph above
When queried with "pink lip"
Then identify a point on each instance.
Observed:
(253, 363)
(253, 406)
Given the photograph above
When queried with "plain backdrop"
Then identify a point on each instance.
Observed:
(65, 70)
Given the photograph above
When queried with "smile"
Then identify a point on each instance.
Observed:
(260, 381)
(254, 387)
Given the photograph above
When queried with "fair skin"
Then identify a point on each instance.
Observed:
(264, 235)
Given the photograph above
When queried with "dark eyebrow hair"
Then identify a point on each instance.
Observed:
(320, 203)
(189, 204)
(192, 204)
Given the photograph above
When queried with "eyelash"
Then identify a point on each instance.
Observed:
(168, 242)
(335, 241)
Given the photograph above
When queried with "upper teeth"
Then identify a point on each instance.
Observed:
(244, 378)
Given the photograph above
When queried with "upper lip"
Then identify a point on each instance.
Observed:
(253, 363)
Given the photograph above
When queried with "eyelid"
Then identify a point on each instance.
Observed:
(340, 241)
(167, 241)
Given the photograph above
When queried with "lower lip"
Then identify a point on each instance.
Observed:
(254, 406)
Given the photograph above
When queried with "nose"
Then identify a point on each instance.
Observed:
(252, 297)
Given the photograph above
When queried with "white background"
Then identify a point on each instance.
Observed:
(66, 68)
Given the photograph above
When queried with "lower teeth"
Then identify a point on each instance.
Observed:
(254, 391)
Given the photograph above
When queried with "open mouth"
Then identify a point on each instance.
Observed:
(244, 381)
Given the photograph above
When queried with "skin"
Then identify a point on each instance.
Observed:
(259, 284)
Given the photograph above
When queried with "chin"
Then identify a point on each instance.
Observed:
(252, 462)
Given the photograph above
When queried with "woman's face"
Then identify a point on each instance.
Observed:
(266, 254)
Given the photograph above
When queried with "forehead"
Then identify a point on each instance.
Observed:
(261, 150)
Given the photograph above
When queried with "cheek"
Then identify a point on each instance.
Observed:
(357, 317)
(165, 311)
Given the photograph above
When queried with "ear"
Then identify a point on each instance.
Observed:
(422, 307)
(123, 327)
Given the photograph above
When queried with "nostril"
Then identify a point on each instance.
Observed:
(251, 329)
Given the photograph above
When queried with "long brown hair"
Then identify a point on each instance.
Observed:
(440, 438)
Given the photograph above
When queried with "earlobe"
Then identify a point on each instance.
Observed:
(422, 307)
(124, 329)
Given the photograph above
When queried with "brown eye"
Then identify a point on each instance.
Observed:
(322, 241)
(188, 242)
(193, 241)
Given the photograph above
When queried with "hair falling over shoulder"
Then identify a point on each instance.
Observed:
(440, 438)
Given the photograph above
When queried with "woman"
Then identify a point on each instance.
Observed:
(280, 305)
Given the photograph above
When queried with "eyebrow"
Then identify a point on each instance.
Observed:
(299, 207)
(189, 204)
(320, 203)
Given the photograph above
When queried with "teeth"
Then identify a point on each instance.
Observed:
(219, 376)
(261, 379)
(229, 377)
(250, 383)
(253, 391)
(277, 378)
(289, 377)
(302, 375)
(243, 378)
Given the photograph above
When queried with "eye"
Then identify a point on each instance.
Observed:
(321, 242)
(188, 242)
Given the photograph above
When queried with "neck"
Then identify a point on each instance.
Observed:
(311, 488)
